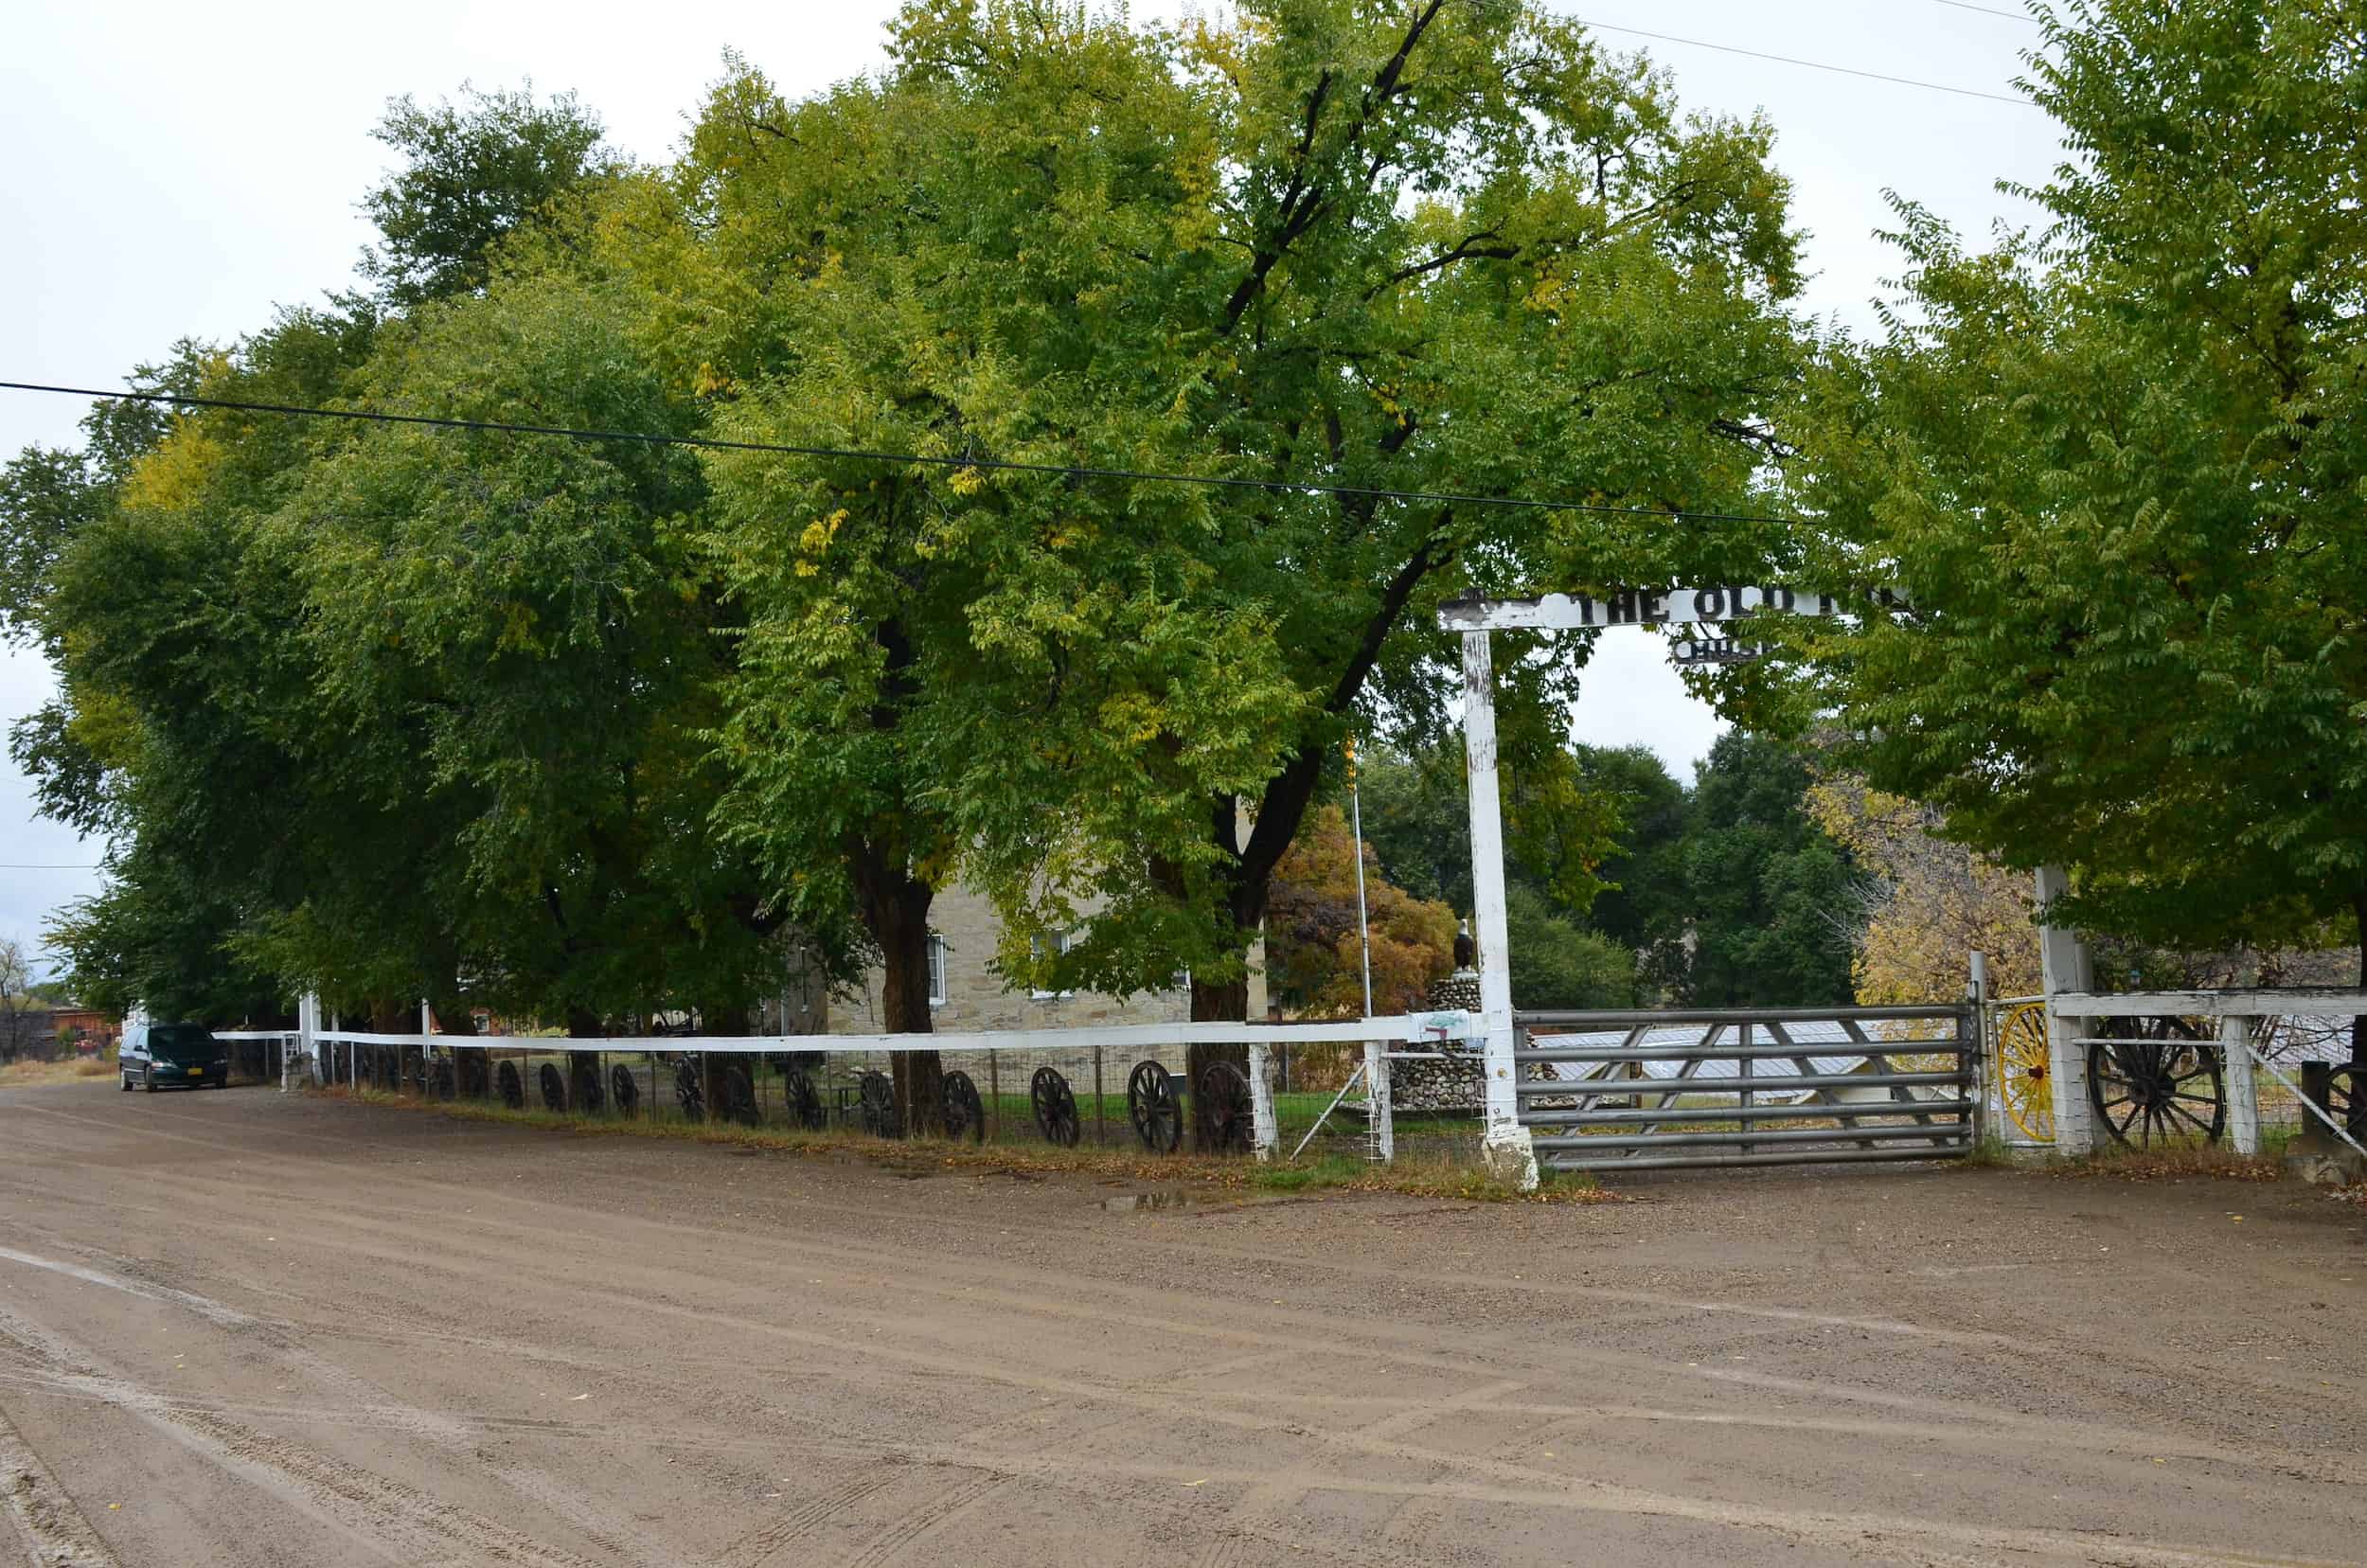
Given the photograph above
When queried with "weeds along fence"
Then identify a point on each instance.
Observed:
(1307, 1090)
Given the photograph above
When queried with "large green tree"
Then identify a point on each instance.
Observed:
(1432, 247)
(2118, 469)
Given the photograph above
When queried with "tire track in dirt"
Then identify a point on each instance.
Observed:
(384, 1516)
(1955, 1421)
(54, 1531)
(889, 1544)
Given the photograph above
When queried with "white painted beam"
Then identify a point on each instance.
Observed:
(1507, 1145)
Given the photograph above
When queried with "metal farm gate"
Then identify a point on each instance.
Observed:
(1648, 1091)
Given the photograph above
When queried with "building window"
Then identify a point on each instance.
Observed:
(937, 970)
(1039, 946)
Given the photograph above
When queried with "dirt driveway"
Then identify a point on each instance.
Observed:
(247, 1328)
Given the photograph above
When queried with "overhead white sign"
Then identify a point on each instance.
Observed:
(1637, 607)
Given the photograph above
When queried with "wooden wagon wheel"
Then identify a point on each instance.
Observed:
(2022, 1083)
(965, 1113)
(584, 1089)
(805, 1104)
(442, 1078)
(740, 1097)
(876, 1097)
(1155, 1108)
(1225, 1097)
(476, 1075)
(2157, 1085)
(623, 1090)
(513, 1087)
(1054, 1108)
(554, 1087)
(688, 1092)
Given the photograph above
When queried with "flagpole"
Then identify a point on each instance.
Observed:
(1356, 834)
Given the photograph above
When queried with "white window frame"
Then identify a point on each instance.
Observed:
(1062, 943)
(939, 956)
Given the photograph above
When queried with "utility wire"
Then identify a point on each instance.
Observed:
(1000, 464)
(1812, 65)
(1989, 10)
(11, 865)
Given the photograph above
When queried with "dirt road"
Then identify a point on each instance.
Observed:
(242, 1329)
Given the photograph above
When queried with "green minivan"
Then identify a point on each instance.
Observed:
(164, 1056)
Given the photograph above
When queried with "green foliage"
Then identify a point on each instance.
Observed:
(1767, 891)
(2118, 471)
(1458, 248)
(1558, 963)
(472, 174)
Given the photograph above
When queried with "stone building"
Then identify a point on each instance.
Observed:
(965, 992)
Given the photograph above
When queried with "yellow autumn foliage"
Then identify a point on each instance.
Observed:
(1930, 903)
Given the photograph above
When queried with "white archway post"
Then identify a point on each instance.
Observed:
(2063, 965)
(1507, 1147)
(300, 1056)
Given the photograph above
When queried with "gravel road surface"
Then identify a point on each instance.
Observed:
(247, 1328)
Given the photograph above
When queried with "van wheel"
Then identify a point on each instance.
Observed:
(127, 1082)
(148, 1080)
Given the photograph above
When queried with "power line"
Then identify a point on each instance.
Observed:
(1812, 65)
(1988, 10)
(11, 865)
(1000, 464)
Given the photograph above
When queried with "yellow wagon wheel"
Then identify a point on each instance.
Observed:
(2021, 1071)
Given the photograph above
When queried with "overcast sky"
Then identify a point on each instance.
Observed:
(177, 170)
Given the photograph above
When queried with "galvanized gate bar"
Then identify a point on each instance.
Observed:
(1695, 1051)
(1761, 1112)
(1638, 1018)
(1597, 1088)
(1894, 1106)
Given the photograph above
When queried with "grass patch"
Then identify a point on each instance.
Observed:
(1329, 1172)
(18, 1075)
(2215, 1160)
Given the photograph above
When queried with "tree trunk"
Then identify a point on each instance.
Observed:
(895, 908)
(1213, 1004)
(582, 1023)
(716, 1067)
(1225, 1002)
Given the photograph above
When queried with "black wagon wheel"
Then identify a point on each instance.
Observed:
(554, 1087)
(2152, 1083)
(476, 1076)
(443, 1079)
(584, 1089)
(513, 1087)
(964, 1112)
(1054, 1108)
(624, 1089)
(740, 1097)
(1154, 1107)
(803, 1100)
(875, 1103)
(688, 1092)
(1225, 1093)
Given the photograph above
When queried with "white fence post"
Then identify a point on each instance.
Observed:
(2063, 964)
(2243, 1084)
(1265, 1134)
(1508, 1149)
(1381, 1138)
(303, 1048)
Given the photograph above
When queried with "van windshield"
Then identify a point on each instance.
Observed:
(183, 1043)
